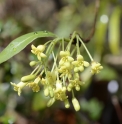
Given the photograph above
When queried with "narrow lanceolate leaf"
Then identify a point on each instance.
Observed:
(21, 42)
(114, 31)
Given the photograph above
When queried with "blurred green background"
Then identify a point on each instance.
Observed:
(101, 97)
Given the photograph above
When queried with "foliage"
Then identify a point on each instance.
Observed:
(20, 43)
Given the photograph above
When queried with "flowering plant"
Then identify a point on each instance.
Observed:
(61, 77)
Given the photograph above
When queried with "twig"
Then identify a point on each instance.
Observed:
(97, 3)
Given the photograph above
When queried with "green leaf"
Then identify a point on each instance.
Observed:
(21, 42)
(114, 31)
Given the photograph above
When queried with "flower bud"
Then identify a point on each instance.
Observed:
(76, 104)
(51, 92)
(101, 67)
(64, 89)
(79, 57)
(64, 53)
(66, 102)
(69, 89)
(50, 102)
(32, 63)
(70, 59)
(81, 68)
(28, 78)
(43, 55)
(86, 64)
(77, 88)
(41, 47)
(75, 69)
(46, 92)
(67, 64)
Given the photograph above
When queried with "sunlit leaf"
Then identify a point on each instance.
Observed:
(114, 31)
(21, 42)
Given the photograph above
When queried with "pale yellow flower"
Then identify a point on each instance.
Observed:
(80, 63)
(18, 87)
(38, 51)
(34, 85)
(65, 71)
(60, 92)
(66, 59)
(43, 82)
(49, 83)
(76, 83)
(51, 78)
(96, 67)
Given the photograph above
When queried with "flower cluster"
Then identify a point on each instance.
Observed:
(64, 74)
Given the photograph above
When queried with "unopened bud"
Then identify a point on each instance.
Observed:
(75, 69)
(33, 63)
(79, 57)
(69, 89)
(41, 47)
(81, 68)
(64, 89)
(43, 55)
(76, 104)
(66, 102)
(50, 102)
(28, 78)
(67, 64)
(86, 64)
(46, 92)
(77, 88)
(51, 92)
(64, 53)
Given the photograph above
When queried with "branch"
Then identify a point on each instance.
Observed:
(97, 3)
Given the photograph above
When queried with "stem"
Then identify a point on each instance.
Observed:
(55, 58)
(42, 72)
(34, 70)
(38, 70)
(73, 51)
(48, 42)
(54, 61)
(67, 40)
(55, 65)
(49, 50)
(77, 45)
(70, 42)
(63, 44)
(73, 94)
(64, 81)
(85, 48)
(49, 47)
